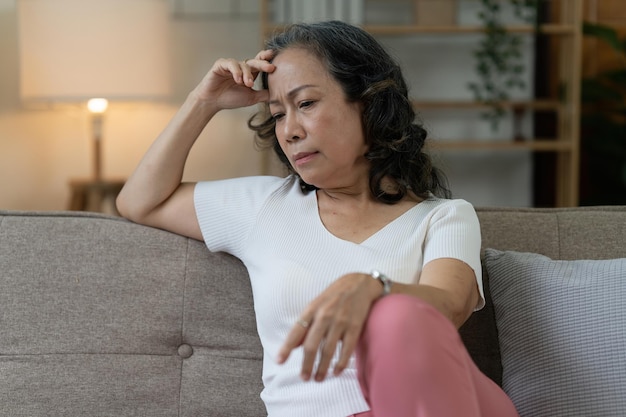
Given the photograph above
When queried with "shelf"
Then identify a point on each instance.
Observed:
(381, 30)
(466, 104)
(548, 29)
(535, 145)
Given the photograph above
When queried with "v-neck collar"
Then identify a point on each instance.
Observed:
(319, 223)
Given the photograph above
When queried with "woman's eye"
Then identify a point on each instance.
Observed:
(305, 104)
(277, 116)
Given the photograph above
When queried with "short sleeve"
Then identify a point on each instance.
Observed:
(454, 232)
(227, 209)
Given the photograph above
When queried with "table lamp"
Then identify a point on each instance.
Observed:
(93, 51)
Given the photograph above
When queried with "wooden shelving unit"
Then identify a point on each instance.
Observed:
(566, 31)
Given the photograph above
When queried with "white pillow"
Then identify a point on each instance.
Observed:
(562, 332)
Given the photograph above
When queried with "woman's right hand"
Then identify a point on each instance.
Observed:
(154, 195)
(229, 84)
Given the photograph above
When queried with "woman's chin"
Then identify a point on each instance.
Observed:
(309, 180)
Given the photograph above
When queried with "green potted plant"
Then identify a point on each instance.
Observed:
(499, 59)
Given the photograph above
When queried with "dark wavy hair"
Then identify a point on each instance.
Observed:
(369, 75)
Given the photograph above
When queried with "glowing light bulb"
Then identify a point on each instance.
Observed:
(98, 105)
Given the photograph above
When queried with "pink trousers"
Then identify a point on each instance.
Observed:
(412, 363)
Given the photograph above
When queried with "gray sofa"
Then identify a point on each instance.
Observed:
(103, 317)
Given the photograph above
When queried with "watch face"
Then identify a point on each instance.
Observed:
(377, 275)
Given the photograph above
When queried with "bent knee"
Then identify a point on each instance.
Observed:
(401, 318)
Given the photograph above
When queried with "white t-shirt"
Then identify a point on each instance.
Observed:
(275, 229)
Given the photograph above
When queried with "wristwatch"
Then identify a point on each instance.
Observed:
(384, 279)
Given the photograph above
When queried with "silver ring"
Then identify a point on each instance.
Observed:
(303, 323)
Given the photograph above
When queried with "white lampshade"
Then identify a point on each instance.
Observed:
(74, 50)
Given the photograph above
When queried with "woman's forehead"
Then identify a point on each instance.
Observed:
(297, 65)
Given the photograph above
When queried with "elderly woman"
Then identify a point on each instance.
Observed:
(362, 267)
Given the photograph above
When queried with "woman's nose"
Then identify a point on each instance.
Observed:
(293, 130)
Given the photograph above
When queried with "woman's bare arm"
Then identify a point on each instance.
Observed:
(154, 194)
(340, 312)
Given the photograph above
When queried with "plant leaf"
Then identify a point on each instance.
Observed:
(604, 33)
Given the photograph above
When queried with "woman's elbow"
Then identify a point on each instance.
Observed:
(462, 309)
(127, 209)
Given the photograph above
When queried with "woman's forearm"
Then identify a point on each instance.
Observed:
(454, 308)
(449, 285)
(154, 194)
(160, 172)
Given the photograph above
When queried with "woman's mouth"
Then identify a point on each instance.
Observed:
(303, 157)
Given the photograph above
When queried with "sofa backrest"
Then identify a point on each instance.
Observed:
(559, 233)
(103, 317)
(100, 316)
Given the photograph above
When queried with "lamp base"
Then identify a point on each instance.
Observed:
(96, 126)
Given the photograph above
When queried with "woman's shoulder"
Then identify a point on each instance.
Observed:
(444, 207)
(250, 181)
(449, 203)
(263, 183)
(251, 189)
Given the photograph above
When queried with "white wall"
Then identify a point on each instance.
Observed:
(41, 150)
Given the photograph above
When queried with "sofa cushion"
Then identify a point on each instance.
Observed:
(561, 327)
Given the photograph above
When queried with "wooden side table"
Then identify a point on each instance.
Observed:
(97, 196)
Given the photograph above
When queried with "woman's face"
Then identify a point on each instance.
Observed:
(320, 132)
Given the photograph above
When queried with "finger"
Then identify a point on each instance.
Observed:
(320, 343)
(255, 66)
(262, 60)
(229, 67)
(348, 346)
(248, 78)
(265, 55)
(310, 348)
(294, 338)
(327, 353)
